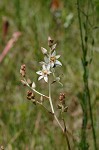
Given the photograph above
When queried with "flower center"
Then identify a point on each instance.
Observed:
(52, 58)
(45, 72)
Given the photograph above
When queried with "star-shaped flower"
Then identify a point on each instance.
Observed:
(44, 72)
(52, 60)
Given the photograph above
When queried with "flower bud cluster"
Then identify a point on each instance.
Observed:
(62, 98)
(62, 106)
(23, 70)
(30, 95)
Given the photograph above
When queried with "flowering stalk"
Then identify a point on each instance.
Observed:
(48, 69)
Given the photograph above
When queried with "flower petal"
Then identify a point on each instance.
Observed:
(42, 63)
(49, 72)
(58, 63)
(52, 64)
(40, 77)
(57, 56)
(46, 78)
(39, 72)
(48, 67)
(53, 54)
(54, 46)
(44, 67)
(46, 59)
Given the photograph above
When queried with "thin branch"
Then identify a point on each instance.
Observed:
(35, 90)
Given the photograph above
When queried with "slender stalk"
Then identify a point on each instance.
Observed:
(84, 100)
(66, 136)
(92, 124)
(52, 108)
(51, 104)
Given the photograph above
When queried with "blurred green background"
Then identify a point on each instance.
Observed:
(24, 126)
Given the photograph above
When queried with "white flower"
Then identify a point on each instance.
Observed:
(52, 60)
(44, 72)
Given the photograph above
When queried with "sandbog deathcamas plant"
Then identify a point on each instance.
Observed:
(48, 74)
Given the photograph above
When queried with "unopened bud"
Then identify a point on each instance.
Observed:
(53, 47)
(33, 85)
(62, 96)
(23, 67)
(23, 70)
(34, 101)
(30, 95)
(1, 147)
(65, 109)
(44, 51)
(29, 82)
(23, 82)
(59, 106)
(50, 41)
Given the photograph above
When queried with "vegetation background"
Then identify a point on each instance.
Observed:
(24, 126)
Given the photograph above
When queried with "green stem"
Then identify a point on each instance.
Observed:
(86, 99)
(92, 124)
